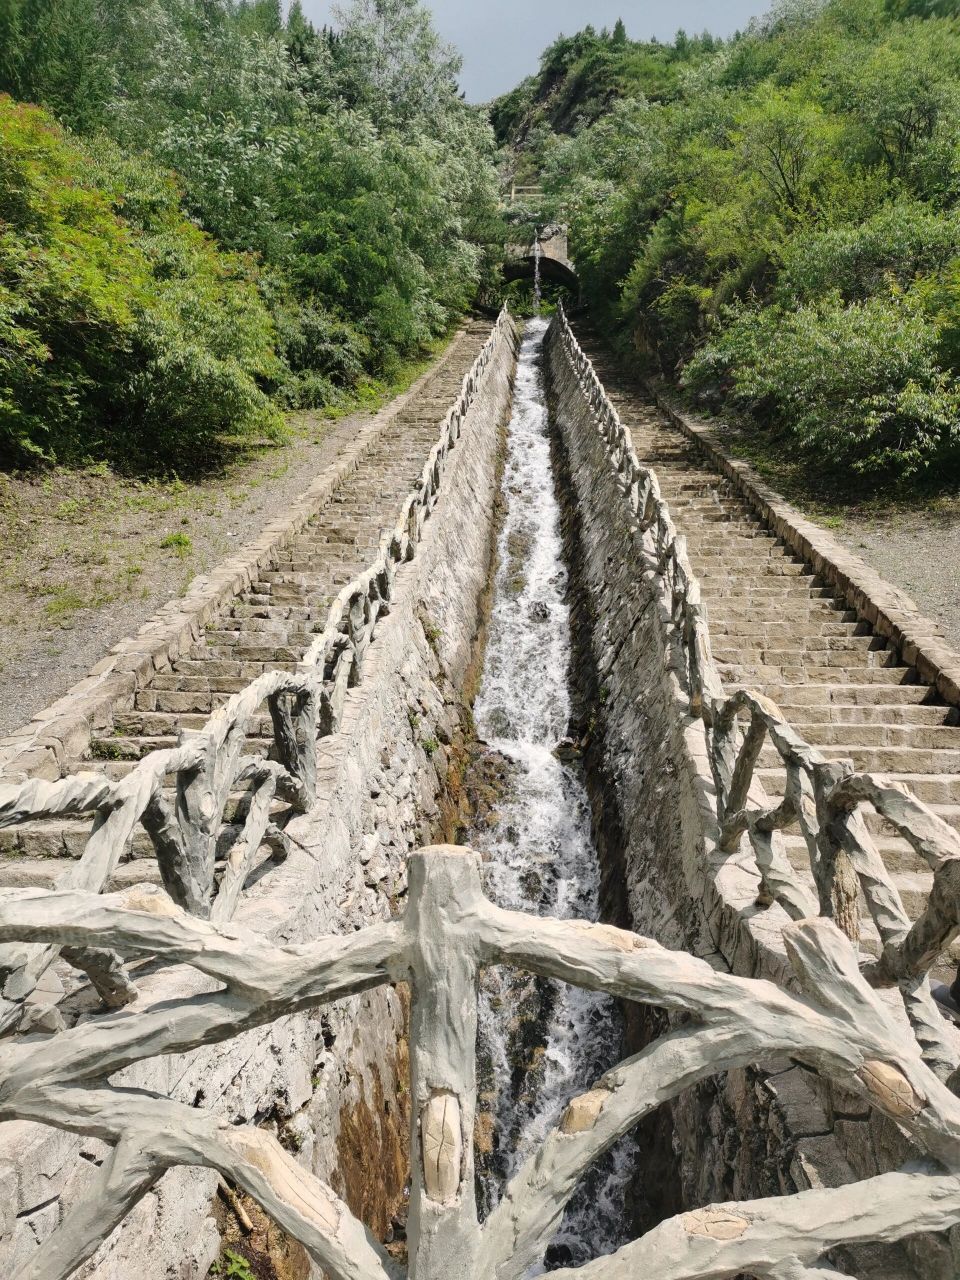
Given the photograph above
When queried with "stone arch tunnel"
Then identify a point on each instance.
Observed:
(555, 261)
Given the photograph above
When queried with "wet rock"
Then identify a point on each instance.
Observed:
(540, 612)
(568, 749)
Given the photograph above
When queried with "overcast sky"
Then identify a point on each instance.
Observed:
(501, 40)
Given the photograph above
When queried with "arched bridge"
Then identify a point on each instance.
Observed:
(555, 261)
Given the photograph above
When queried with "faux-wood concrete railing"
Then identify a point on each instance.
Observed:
(837, 1025)
(825, 798)
(210, 763)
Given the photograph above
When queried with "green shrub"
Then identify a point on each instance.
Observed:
(124, 333)
(899, 242)
(857, 385)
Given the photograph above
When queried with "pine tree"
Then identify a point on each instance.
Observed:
(619, 32)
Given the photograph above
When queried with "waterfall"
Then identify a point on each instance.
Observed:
(541, 1042)
(537, 255)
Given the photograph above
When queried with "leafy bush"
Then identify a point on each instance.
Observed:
(899, 242)
(125, 333)
(857, 384)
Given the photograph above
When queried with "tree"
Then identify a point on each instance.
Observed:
(619, 36)
(391, 62)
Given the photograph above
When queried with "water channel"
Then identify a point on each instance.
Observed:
(541, 1042)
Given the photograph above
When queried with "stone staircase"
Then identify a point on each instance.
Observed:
(777, 629)
(267, 627)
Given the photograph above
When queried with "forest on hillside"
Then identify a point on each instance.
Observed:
(773, 221)
(211, 212)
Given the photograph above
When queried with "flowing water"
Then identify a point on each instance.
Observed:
(541, 1043)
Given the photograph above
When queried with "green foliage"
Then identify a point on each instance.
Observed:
(341, 211)
(858, 384)
(124, 333)
(231, 1266)
(774, 219)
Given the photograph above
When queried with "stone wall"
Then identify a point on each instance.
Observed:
(764, 1131)
(331, 1085)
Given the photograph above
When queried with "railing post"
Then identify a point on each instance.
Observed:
(443, 1233)
(837, 883)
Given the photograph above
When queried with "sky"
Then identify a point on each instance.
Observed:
(501, 40)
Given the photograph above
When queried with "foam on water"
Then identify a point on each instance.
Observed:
(540, 1042)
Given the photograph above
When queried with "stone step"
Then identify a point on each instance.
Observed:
(882, 759)
(831, 651)
(932, 788)
(764, 678)
(937, 738)
(58, 839)
(873, 689)
(950, 813)
(750, 575)
(770, 634)
(43, 873)
(839, 715)
(898, 857)
(157, 724)
(273, 657)
(121, 749)
(793, 589)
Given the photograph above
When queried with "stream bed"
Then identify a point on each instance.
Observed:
(541, 1042)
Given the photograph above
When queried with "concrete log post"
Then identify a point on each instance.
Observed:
(444, 888)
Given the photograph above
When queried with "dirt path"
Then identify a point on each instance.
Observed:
(918, 550)
(86, 557)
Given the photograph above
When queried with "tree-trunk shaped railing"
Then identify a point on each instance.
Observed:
(204, 861)
(835, 1024)
(825, 798)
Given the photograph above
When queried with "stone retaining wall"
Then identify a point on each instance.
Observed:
(328, 1084)
(763, 1131)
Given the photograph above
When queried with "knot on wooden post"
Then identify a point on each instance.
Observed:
(583, 1113)
(892, 1090)
(441, 1146)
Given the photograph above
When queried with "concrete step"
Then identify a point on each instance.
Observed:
(931, 788)
(43, 873)
(938, 738)
(882, 759)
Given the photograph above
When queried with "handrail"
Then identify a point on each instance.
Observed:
(825, 798)
(834, 1025)
(209, 763)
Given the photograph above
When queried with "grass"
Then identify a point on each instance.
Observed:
(179, 542)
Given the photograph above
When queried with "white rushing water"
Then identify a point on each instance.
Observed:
(540, 1042)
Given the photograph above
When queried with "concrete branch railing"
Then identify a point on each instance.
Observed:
(825, 798)
(188, 832)
(836, 1025)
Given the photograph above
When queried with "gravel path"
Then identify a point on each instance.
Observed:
(86, 558)
(918, 551)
